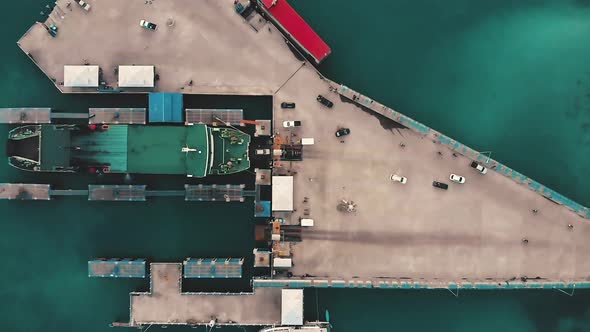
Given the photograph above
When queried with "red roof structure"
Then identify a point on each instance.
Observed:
(299, 30)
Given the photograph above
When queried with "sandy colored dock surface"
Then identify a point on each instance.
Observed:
(167, 305)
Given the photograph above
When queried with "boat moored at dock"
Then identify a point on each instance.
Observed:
(193, 150)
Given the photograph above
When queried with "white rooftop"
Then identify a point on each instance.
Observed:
(136, 76)
(81, 76)
(282, 193)
(292, 307)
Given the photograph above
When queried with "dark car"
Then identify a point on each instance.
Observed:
(324, 101)
(287, 105)
(440, 185)
(342, 132)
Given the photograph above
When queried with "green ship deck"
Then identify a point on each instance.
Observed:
(158, 150)
(194, 151)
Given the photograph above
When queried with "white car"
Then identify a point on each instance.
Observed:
(398, 178)
(479, 167)
(262, 152)
(457, 178)
(289, 124)
(148, 25)
(84, 5)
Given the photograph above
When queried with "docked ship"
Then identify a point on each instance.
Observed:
(193, 150)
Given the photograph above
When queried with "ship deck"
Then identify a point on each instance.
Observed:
(158, 150)
(55, 147)
(230, 151)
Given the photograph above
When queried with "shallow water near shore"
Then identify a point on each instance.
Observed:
(511, 77)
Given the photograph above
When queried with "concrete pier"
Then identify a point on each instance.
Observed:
(496, 227)
(415, 231)
(200, 46)
(165, 304)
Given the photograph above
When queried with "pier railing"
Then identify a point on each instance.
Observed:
(384, 283)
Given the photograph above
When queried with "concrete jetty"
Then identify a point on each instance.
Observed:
(166, 304)
(200, 46)
(413, 231)
(496, 230)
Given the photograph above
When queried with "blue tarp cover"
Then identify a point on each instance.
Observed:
(165, 107)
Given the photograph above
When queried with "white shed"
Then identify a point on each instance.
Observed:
(292, 307)
(282, 193)
(81, 76)
(136, 76)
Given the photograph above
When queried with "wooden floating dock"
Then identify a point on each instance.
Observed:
(210, 268)
(24, 191)
(228, 117)
(25, 115)
(117, 268)
(116, 115)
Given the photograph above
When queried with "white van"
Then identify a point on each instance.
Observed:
(307, 141)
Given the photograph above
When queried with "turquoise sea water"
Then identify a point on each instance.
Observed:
(512, 77)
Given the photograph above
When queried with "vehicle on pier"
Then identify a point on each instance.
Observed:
(457, 178)
(399, 178)
(342, 132)
(84, 5)
(440, 185)
(479, 167)
(195, 151)
(290, 124)
(148, 25)
(287, 105)
(325, 101)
